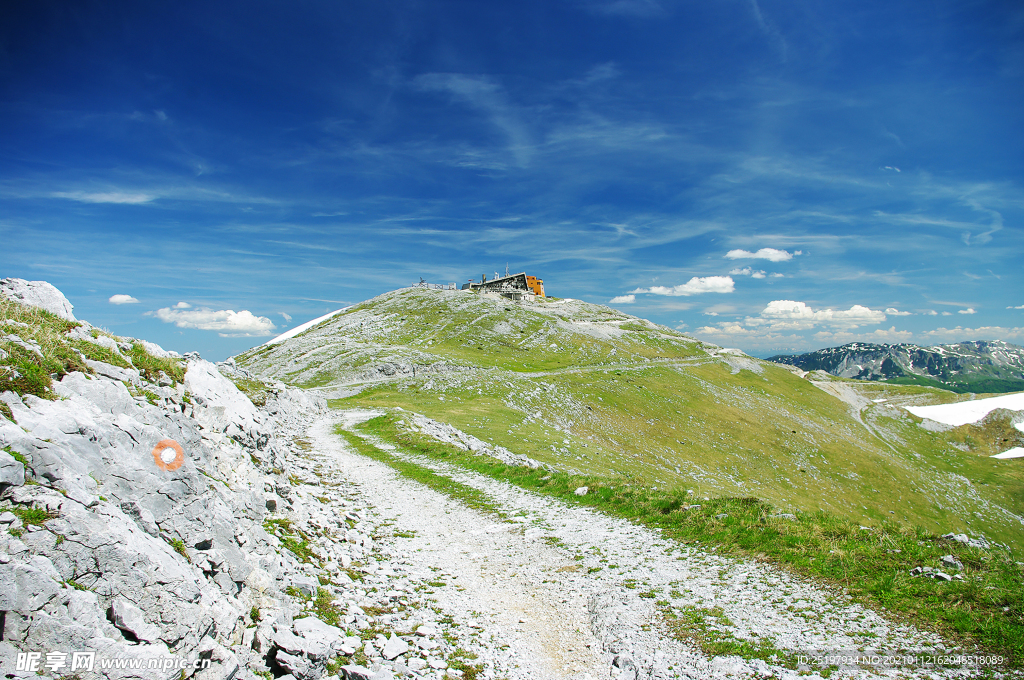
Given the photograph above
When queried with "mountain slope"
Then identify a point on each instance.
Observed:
(963, 367)
(584, 387)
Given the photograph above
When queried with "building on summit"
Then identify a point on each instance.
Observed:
(512, 286)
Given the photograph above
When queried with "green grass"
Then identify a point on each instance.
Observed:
(873, 566)
(30, 515)
(473, 498)
(26, 372)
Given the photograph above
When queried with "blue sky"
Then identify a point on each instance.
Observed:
(773, 176)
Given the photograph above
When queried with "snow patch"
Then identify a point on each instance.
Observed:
(304, 327)
(965, 412)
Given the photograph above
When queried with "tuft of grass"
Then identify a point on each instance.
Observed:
(254, 614)
(703, 627)
(151, 367)
(29, 515)
(986, 608)
(179, 547)
(256, 390)
(15, 455)
(324, 609)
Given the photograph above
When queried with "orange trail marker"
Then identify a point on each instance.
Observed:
(168, 454)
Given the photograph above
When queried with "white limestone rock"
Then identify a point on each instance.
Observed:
(38, 294)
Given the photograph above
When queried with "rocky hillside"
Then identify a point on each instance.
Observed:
(160, 521)
(583, 387)
(979, 366)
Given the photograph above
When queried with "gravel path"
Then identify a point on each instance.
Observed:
(559, 591)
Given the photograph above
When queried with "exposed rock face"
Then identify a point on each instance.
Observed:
(131, 560)
(38, 294)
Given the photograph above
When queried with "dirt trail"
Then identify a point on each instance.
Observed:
(557, 590)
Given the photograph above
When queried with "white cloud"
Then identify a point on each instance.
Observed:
(695, 286)
(960, 334)
(105, 197)
(747, 271)
(182, 305)
(879, 335)
(947, 314)
(776, 275)
(287, 317)
(930, 312)
(623, 299)
(121, 299)
(228, 323)
(892, 311)
(794, 315)
(710, 313)
(771, 254)
(1017, 307)
(969, 310)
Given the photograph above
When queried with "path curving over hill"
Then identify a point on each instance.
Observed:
(558, 591)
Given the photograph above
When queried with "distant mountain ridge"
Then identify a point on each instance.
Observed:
(977, 366)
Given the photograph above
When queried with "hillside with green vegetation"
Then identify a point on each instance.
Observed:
(585, 388)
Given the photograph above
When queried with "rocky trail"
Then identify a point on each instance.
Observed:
(557, 591)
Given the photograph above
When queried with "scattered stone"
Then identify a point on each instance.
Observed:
(394, 648)
(581, 491)
(951, 562)
(971, 542)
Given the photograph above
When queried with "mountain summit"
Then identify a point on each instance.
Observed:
(979, 366)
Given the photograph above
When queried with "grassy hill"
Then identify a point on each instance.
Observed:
(587, 388)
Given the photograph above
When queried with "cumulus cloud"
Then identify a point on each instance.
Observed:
(121, 299)
(797, 314)
(227, 322)
(892, 311)
(623, 299)
(747, 271)
(695, 286)
(947, 314)
(969, 310)
(772, 254)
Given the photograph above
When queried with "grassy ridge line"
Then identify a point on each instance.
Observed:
(987, 608)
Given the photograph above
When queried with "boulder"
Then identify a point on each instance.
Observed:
(129, 618)
(394, 647)
(12, 472)
(38, 294)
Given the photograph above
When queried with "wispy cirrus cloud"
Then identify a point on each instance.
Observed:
(484, 94)
(124, 197)
(772, 254)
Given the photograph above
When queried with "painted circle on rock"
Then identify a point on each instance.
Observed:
(168, 454)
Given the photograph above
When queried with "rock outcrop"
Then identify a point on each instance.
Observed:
(38, 294)
(107, 551)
